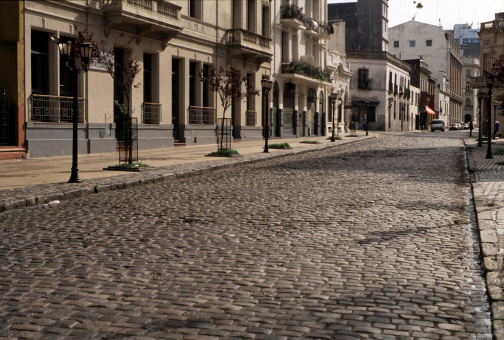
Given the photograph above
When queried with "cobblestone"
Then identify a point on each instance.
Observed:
(372, 239)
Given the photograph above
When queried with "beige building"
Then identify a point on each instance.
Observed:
(491, 47)
(300, 68)
(172, 41)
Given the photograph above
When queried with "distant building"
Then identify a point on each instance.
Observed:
(366, 23)
(492, 46)
(380, 90)
(470, 68)
(439, 49)
(421, 78)
(468, 39)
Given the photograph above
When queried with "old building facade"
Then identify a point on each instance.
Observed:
(172, 41)
(439, 49)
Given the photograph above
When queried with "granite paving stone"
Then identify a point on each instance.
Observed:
(373, 239)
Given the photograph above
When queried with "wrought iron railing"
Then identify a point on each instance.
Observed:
(55, 109)
(151, 113)
(199, 115)
(291, 11)
(311, 24)
(6, 123)
(298, 67)
(251, 118)
(325, 28)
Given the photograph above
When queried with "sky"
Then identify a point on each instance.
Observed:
(450, 12)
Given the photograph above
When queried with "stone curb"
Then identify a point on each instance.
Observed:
(36, 195)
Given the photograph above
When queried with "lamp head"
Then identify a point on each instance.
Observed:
(489, 79)
(65, 48)
(86, 50)
(266, 84)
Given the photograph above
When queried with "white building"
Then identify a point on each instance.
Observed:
(380, 90)
(299, 68)
(470, 68)
(413, 40)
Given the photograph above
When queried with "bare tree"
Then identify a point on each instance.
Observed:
(119, 60)
(230, 85)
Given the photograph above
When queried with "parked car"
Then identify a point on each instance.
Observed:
(437, 124)
(455, 126)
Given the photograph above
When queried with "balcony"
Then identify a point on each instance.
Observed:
(247, 45)
(157, 19)
(292, 16)
(55, 109)
(307, 70)
(151, 113)
(492, 25)
(199, 115)
(318, 30)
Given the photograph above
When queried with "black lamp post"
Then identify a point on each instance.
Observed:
(266, 85)
(86, 50)
(480, 122)
(489, 81)
(333, 96)
(495, 130)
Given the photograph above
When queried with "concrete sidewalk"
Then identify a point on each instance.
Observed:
(29, 182)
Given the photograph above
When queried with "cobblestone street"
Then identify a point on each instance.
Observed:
(369, 240)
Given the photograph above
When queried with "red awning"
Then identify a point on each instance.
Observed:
(430, 111)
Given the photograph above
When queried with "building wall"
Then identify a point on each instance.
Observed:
(214, 34)
(436, 56)
(438, 49)
(366, 22)
(300, 102)
(389, 84)
(492, 46)
(470, 69)
(12, 78)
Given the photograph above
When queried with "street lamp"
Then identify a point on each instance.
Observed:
(333, 96)
(266, 85)
(480, 123)
(86, 50)
(338, 105)
(495, 124)
(489, 81)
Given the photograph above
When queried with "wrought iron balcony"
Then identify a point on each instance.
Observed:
(201, 115)
(151, 113)
(320, 30)
(154, 18)
(55, 109)
(292, 15)
(304, 69)
(248, 45)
